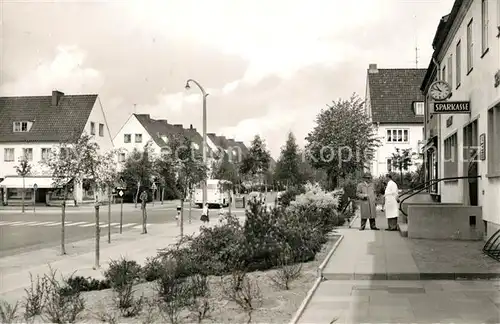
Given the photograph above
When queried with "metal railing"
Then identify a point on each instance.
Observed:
(426, 185)
(492, 246)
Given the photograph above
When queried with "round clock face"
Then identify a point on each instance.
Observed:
(440, 90)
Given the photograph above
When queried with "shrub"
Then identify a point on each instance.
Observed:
(287, 272)
(35, 297)
(198, 293)
(126, 302)
(152, 269)
(122, 272)
(243, 291)
(88, 284)
(7, 312)
(63, 303)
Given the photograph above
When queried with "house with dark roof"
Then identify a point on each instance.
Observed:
(236, 150)
(395, 105)
(31, 126)
(141, 129)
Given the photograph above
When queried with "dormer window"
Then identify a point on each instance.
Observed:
(21, 126)
(418, 108)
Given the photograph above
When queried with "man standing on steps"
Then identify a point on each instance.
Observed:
(391, 204)
(365, 192)
(144, 200)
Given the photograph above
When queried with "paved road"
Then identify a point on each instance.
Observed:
(31, 231)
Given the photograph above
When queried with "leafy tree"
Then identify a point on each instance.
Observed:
(343, 140)
(72, 161)
(190, 170)
(138, 169)
(401, 160)
(23, 169)
(288, 165)
(224, 169)
(257, 161)
(164, 170)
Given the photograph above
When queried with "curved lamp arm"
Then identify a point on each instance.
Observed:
(198, 84)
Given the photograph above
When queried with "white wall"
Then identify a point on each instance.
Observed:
(8, 168)
(132, 126)
(97, 116)
(384, 152)
(476, 87)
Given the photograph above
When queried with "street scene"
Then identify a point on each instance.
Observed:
(250, 162)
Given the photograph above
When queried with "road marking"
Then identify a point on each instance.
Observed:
(23, 223)
(52, 224)
(128, 225)
(77, 223)
(36, 223)
(114, 224)
(14, 223)
(87, 225)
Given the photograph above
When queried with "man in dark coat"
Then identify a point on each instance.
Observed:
(365, 192)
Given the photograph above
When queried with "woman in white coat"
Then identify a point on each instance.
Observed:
(391, 204)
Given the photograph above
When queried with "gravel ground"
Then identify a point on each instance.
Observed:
(278, 306)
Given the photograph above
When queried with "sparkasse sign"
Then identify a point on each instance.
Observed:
(452, 107)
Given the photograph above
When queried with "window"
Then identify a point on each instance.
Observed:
(45, 154)
(450, 70)
(8, 155)
(470, 48)
(121, 157)
(418, 108)
(101, 130)
(493, 141)
(92, 128)
(458, 59)
(397, 136)
(484, 26)
(389, 165)
(138, 138)
(450, 156)
(28, 154)
(127, 138)
(21, 126)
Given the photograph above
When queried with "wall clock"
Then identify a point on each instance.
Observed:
(440, 90)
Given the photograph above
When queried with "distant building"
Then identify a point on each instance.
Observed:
(395, 105)
(466, 62)
(32, 126)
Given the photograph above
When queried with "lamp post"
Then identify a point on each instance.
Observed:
(204, 94)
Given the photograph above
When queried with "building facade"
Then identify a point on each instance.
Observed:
(396, 107)
(32, 126)
(462, 110)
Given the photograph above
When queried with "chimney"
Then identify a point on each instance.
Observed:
(191, 126)
(372, 68)
(56, 97)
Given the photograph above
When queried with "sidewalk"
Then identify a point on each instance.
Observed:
(15, 270)
(376, 277)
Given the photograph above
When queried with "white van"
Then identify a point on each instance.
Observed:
(218, 193)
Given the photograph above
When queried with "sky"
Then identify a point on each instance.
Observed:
(269, 66)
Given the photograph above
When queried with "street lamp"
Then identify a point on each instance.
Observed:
(204, 94)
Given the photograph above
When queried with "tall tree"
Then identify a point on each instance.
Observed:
(23, 169)
(288, 165)
(258, 159)
(343, 140)
(138, 169)
(401, 160)
(225, 169)
(72, 161)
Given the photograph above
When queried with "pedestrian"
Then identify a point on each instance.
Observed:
(391, 204)
(144, 199)
(365, 193)
(205, 218)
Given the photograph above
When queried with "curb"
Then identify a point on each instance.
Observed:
(413, 276)
(313, 289)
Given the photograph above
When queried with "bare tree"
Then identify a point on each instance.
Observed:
(23, 169)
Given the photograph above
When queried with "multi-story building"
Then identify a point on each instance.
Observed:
(462, 110)
(396, 107)
(32, 126)
(140, 129)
